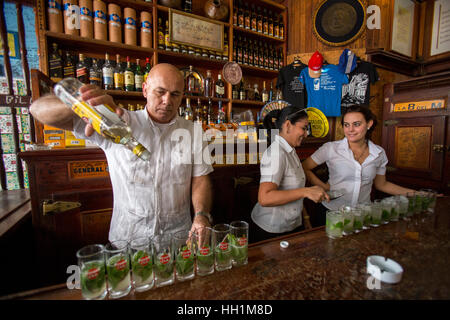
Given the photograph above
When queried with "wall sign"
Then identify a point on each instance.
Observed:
(188, 29)
(403, 27)
(419, 105)
(88, 169)
(440, 39)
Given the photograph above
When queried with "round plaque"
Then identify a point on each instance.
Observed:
(338, 22)
(232, 72)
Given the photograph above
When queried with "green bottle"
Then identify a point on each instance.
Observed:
(138, 76)
(129, 76)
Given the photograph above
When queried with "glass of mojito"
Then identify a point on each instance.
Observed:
(91, 260)
(141, 252)
(222, 246)
(163, 260)
(403, 203)
(204, 251)
(431, 199)
(376, 210)
(395, 209)
(184, 249)
(347, 213)
(418, 203)
(386, 208)
(411, 203)
(366, 211)
(118, 268)
(334, 224)
(358, 219)
(239, 242)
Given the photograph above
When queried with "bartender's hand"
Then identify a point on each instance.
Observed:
(199, 226)
(317, 194)
(94, 95)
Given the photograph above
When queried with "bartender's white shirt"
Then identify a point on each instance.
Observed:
(150, 197)
(280, 165)
(347, 174)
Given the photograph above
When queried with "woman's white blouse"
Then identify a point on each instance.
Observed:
(280, 165)
(347, 174)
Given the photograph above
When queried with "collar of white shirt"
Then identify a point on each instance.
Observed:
(374, 150)
(284, 144)
(153, 123)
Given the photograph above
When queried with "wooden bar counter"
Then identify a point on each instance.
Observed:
(315, 267)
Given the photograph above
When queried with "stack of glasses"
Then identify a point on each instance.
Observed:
(144, 263)
(350, 220)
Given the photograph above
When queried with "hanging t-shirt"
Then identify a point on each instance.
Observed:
(357, 91)
(288, 81)
(325, 92)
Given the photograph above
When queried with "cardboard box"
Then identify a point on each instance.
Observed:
(54, 136)
(72, 141)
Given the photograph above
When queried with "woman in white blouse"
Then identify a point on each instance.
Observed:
(354, 164)
(282, 185)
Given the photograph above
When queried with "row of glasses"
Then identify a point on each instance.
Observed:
(423, 200)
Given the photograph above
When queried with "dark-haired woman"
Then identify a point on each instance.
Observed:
(282, 184)
(354, 164)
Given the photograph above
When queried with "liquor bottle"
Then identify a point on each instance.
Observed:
(270, 23)
(271, 91)
(221, 116)
(191, 50)
(188, 114)
(138, 76)
(209, 85)
(261, 55)
(244, 52)
(148, 67)
(95, 75)
(167, 44)
(215, 55)
(207, 112)
(187, 6)
(220, 87)
(190, 83)
(55, 64)
(205, 53)
(181, 110)
(240, 15)
(199, 112)
(108, 74)
(69, 66)
(266, 56)
(256, 95)
(161, 41)
(239, 51)
(234, 92)
(235, 13)
(265, 22)
(259, 21)
(82, 70)
(272, 52)
(198, 52)
(242, 93)
(129, 76)
(225, 47)
(281, 26)
(247, 17)
(276, 27)
(264, 94)
(280, 58)
(235, 50)
(251, 54)
(118, 75)
(103, 118)
(253, 19)
(183, 49)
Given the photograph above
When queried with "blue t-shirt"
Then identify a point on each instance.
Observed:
(325, 92)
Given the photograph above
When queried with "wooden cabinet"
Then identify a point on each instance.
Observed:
(416, 132)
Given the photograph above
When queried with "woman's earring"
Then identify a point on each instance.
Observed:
(368, 128)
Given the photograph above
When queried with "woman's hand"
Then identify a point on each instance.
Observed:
(317, 194)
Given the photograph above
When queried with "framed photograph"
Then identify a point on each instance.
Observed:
(192, 30)
(440, 41)
(402, 32)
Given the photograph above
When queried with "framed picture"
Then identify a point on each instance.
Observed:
(402, 32)
(192, 30)
(441, 28)
(338, 22)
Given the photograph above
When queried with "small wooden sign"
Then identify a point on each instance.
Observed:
(189, 29)
(8, 100)
(419, 105)
(88, 169)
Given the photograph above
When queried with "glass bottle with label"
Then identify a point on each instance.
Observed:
(187, 6)
(280, 58)
(108, 74)
(225, 47)
(129, 76)
(69, 66)
(199, 112)
(221, 116)
(253, 19)
(271, 91)
(168, 45)
(276, 27)
(161, 41)
(235, 13)
(188, 114)
(220, 87)
(242, 92)
(239, 50)
(270, 23)
(118, 75)
(256, 95)
(281, 26)
(265, 22)
(251, 53)
(95, 75)
(82, 70)
(245, 52)
(247, 17)
(240, 15)
(259, 21)
(264, 94)
(55, 64)
(102, 117)
(209, 85)
(138, 76)
(190, 83)
(148, 67)
(235, 92)
(207, 112)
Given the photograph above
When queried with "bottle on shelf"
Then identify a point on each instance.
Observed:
(256, 95)
(245, 52)
(191, 83)
(266, 56)
(259, 21)
(235, 92)
(280, 58)
(187, 6)
(69, 66)
(148, 67)
(188, 114)
(205, 53)
(270, 21)
(219, 87)
(167, 44)
(102, 117)
(95, 75)
(215, 55)
(221, 116)
(108, 74)
(181, 110)
(199, 112)
(161, 40)
(209, 85)
(253, 19)
(118, 75)
(281, 27)
(247, 17)
(82, 70)
(242, 92)
(239, 50)
(265, 23)
(251, 53)
(235, 13)
(138, 76)
(225, 47)
(272, 52)
(198, 52)
(240, 15)
(235, 50)
(207, 113)
(183, 49)
(275, 60)
(55, 64)
(276, 27)
(271, 91)
(129, 76)
(264, 94)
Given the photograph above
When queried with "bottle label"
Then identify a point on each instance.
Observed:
(254, 25)
(129, 78)
(85, 111)
(277, 32)
(138, 79)
(247, 22)
(260, 26)
(100, 17)
(81, 72)
(266, 28)
(271, 30)
(241, 21)
(107, 76)
(220, 90)
(130, 23)
(265, 97)
(118, 80)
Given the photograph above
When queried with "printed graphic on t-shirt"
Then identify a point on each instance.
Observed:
(296, 86)
(355, 91)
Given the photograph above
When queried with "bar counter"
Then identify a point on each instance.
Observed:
(316, 267)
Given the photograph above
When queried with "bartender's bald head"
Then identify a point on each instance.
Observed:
(164, 91)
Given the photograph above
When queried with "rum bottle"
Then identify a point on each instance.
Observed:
(108, 74)
(264, 94)
(118, 75)
(95, 76)
(161, 41)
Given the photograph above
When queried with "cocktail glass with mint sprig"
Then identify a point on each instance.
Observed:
(376, 210)
(204, 251)
(395, 209)
(411, 204)
(386, 207)
(347, 213)
(118, 268)
(91, 260)
(334, 224)
(222, 246)
(358, 219)
(239, 242)
(141, 251)
(163, 260)
(366, 212)
(184, 249)
(403, 206)
(432, 195)
(418, 202)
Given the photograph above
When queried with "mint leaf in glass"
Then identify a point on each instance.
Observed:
(142, 265)
(118, 268)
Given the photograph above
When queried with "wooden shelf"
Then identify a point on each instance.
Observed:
(256, 71)
(138, 95)
(259, 34)
(98, 46)
(203, 98)
(179, 58)
(274, 4)
(135, 4)
(248, 102)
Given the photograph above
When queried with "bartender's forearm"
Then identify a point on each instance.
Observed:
(270, 196)
(53, 112)
(315, 181)
(201, 194)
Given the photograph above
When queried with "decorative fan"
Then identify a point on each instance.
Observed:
(273, 105)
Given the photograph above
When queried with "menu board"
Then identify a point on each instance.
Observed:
(412, 148)
(440, 40)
